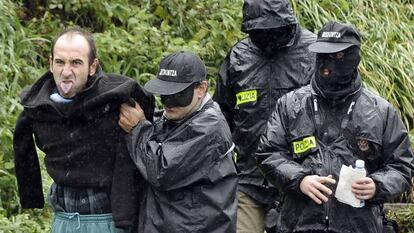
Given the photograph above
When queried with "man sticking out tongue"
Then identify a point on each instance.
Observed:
(70, 65)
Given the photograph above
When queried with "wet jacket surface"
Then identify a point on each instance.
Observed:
(373, 132)
(82, 142)
(250, 82)
(191, 177)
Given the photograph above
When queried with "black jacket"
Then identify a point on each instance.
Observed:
(82, 142)
(191, 177)
(372, 131)
(250, 82)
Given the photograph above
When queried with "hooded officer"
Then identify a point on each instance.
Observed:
(332, 122)
(272, 61)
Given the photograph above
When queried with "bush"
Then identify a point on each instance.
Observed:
(404, 218)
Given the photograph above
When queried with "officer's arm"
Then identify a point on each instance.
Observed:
(273, 155)
(395, 175)
(223, 94)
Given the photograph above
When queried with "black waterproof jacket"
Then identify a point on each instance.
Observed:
(293, 146)
(83, 144)
(250, 82)
(191, 177)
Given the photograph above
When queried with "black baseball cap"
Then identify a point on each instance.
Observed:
(177, 72)
(335, 37)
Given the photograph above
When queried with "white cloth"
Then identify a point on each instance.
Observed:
(59, 99)
(344, 193)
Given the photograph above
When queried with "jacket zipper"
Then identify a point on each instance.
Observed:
(328, 161)
(272, 87)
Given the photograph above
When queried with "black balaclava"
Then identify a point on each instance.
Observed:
(273, 39)
(180, 99)
(336, 73)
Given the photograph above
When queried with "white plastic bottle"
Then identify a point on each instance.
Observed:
(360, 167)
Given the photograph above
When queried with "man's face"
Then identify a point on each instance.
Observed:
(273, 39)
(336, 68)
(175, 113)
(70, 64)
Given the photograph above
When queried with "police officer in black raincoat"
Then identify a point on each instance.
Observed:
(272, 61)
(186, 156)
(333, 122)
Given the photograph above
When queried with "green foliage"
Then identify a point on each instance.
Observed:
(14, 41)
(132, 36)
(33, 221)
(404, 218)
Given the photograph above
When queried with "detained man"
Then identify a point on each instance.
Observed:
(72, 111)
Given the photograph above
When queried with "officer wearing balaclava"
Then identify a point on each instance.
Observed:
(336, 76)
(270, 62)
(317, 130)
(336, 73)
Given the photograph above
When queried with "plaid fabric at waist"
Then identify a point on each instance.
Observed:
(79, 200)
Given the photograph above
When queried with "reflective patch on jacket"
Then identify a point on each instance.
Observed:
(246, 97)
(304, 145)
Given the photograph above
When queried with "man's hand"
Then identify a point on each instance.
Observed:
(130, 116)
(364, 188)
(313, 186)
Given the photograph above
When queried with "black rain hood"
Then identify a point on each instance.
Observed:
(265, 14)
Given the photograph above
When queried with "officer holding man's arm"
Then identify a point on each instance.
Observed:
(186, 156)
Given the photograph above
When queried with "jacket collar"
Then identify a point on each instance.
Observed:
(39, 93)
(206, 99)
(355, 89)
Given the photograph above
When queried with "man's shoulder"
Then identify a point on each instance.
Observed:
(243, 52)
(296, 99)
(113, 78)
(40, 89)
(300, 93)
(111, 82)
(370, 100)
(300, 47)
(210, 111)
(211, 117)
(243, 44)
(370, 97)
(307, 37)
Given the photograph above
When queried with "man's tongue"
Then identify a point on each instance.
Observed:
(66, 86)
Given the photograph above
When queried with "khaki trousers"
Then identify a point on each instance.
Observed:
(250, 215)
